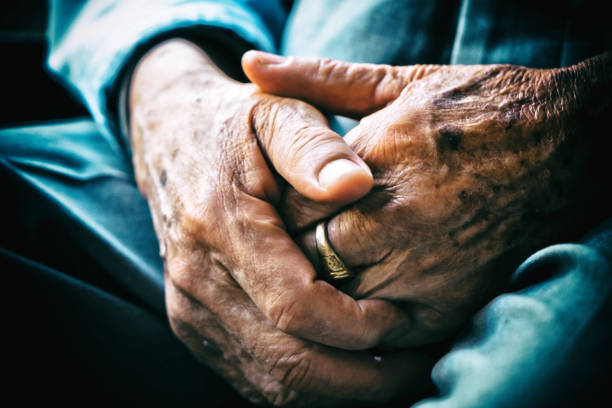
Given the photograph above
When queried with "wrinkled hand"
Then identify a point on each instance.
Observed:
(239, 291)
(474, 167)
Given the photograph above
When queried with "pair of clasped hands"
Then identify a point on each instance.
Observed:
(426, 200)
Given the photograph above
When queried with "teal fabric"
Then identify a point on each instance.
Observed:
(534, 33)
(92, 42)
(92, 189)
(546, 342)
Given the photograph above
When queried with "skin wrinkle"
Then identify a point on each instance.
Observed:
(386, 85)
(482, 162)
(275, 192)
(295, 368)
(308, 138)
(371, 291)
(226, 249)
(238, 357)
(195, 213)
(215, 291)
(261, 121)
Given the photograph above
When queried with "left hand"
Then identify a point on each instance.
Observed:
(474, 167)
(239, 292)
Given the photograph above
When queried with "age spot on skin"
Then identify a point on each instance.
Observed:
(450, 138)
(447, 100)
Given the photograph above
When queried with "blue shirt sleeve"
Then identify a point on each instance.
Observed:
(92, 42)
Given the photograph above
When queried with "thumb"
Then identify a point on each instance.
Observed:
(316, 161)
(350, 89)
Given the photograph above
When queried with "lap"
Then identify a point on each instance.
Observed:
(80, 240)
(82, 262)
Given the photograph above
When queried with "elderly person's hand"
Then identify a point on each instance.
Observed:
(239, 291)
(474, 168)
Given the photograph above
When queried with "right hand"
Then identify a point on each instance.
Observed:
(475, 167)
(239, 291)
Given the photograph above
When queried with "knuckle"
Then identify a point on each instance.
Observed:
(384, 79)
(294, 370)
(187, 272)
(330, 69)
(285, 314)
(177, 303)
(182, 276)
(281, 398)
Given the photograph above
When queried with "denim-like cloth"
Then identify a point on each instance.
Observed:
(80, 238)
(92, 43)
(534, 33)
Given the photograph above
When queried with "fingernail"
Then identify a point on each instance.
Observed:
(335, 170)
(265, 58)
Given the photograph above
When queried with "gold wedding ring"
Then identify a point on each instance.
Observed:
(331, 263)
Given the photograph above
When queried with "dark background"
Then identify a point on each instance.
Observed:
(29, 92)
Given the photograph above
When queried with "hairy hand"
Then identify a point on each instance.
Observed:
(239, 291)
(474, 167)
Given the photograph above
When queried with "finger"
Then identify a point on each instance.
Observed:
(307, 154)
(257, 252)
(302, 366)
(360, 241)
(282, 283)
(300, 213)
(365, 241)
(210, 343)
(350, 89)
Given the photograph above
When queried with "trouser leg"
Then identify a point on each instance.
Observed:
(83, 279)
(73, 342)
